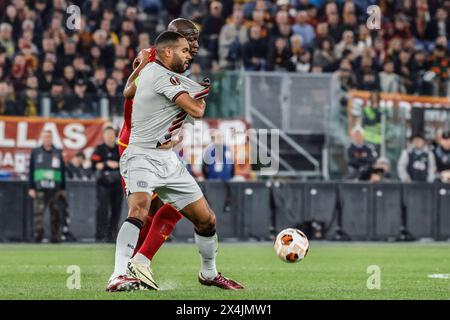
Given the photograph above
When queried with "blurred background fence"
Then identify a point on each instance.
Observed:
(257, 210)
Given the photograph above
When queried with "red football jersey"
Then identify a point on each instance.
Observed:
(124, 136)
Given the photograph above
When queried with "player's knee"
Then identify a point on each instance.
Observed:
(207, 225)
(138, 213)
(139, 205)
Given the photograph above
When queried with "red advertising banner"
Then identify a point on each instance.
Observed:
(18, 136)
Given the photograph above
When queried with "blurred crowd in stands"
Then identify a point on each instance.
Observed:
(420, 161)
(45, 51)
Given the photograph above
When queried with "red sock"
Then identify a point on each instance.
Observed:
(143, 234)
(163, 224)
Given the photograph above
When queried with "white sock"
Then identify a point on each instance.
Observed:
(125, 245)
(140, 258)
(207, 247)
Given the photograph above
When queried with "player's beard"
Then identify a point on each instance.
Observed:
(178, 65)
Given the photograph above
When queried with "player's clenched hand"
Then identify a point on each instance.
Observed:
(146, 54)
(206, 82)
(202, 104)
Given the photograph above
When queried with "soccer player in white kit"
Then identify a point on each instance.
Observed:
(161, 106)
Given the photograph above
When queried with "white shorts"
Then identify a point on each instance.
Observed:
(160, 171)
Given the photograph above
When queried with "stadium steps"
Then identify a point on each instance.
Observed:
(313, 144)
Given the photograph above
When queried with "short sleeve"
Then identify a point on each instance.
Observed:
(169, 86)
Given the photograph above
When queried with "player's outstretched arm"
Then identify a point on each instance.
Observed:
(194, 107)
(139, 63)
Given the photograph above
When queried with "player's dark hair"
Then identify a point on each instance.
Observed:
(167, 39)
(183, 26)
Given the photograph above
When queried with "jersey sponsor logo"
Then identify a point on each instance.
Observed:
(175, 81)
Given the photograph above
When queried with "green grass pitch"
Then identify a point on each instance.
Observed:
(330, 271)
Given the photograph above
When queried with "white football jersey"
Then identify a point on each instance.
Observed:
(155, 118)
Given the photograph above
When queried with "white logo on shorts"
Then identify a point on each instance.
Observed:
(142, 184)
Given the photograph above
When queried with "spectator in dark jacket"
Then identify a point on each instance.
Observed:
(440, 25)
(46, 77)
(278, 56)
(442, 156)
(80, 102)
(7, 104)
(75, 168)
(360, 155)
(212, 24)
(419, 69)
(105, 163)
(96, 85)
(69, 79)
(58, 100)
(47, 183)
(255, 50)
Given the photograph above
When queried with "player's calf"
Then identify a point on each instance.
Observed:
(201, 215)
(139, 205)
(207, 225)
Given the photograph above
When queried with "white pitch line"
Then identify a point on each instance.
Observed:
(439, 276)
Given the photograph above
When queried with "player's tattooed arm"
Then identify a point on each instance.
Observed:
(194, 107)
(138, 64)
